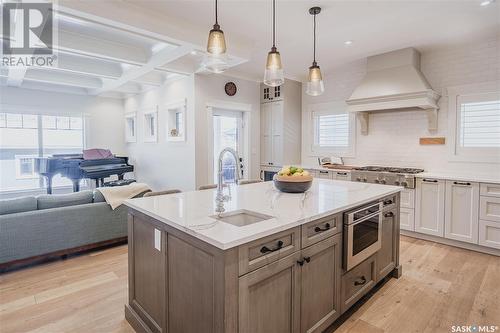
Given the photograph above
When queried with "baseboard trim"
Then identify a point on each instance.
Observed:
(467, 246)
(61, 254)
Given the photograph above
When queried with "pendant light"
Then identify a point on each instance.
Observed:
(315, 86)
(216, 58)
(273, 74)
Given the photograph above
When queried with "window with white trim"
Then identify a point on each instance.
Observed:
(26, 136)
(474, 119)
(333, 129)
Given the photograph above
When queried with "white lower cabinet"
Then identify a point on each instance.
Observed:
(461, 211)
(342, 175)
(407, 219)
(325, 174)
(429, 206)
(489, 209)
(489, 234)
(407, 199)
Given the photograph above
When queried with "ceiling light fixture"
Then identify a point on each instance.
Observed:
(315, 86)
(485, 3)
(215, 60)
(348, 42)
(273, 74)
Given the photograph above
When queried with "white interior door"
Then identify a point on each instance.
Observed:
(228, 127)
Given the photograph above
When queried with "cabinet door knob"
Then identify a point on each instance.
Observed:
(300, 262)
(361, 281)
(319, 229)
(265, 249)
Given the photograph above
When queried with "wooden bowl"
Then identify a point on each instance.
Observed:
(290, 184)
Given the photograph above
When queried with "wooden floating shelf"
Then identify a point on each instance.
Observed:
(432, 141)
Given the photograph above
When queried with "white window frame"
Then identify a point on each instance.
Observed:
(469, 93)
(131, 137)
(171, 111)
(148, 137)
(331, 108)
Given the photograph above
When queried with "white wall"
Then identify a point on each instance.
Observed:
(164, 165)
(210, 89)
(105, 126)
(393, 137)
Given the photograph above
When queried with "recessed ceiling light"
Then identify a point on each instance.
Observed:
(485, 3)
(348, 42)
(194, 52)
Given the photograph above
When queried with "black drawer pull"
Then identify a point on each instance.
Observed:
(430, 180)
(342, 173)
(360, 282)
(318, 229)
(265, 249)
(323, 171)
(388, 202)
(461, 183)
(390, 214)
(307, 259)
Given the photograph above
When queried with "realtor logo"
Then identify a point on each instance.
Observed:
(28, 34)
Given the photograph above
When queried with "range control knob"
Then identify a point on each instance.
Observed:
(377, 181)
(358, 179)
(383, 181)
(396, 183)
(364, 179)
(404, 184)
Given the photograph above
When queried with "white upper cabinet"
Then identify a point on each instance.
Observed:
(461, 211)
(429, 206)
(281, 124)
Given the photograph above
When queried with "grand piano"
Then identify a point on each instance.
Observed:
(74, 167)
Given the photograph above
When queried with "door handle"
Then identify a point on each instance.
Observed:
(361, 281)
(265, 249)
(319, 229)
(462, 183)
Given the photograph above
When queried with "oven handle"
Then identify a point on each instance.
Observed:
(365, 208)
(366, 218)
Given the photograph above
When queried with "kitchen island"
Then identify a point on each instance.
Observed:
(272, 262)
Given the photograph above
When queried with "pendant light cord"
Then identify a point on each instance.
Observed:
(274, 23)
(314, 40)
(216, 22)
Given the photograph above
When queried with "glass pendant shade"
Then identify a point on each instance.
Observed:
(315, 86)
(215, 63)
(273, 74)
(216, 42)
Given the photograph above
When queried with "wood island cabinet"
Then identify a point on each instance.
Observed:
(288, 282)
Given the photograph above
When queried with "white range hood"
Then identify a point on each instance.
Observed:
(394, 82)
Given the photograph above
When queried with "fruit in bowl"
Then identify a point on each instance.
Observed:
(292, 179)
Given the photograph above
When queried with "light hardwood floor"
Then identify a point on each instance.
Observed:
(441, 286)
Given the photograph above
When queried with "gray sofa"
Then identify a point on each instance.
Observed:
(37, 228)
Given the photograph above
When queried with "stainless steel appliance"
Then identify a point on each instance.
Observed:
(268, 175)
(386, 175)
(362, 233)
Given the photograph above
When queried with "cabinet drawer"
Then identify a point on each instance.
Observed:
(489, 234)
(320, 229)
(489, 208)
(325, 174)
(268, 249)
(408, 198)
(492, 190)
(357, 282)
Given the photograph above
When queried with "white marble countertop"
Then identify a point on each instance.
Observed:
(191, 211)
(461, 177)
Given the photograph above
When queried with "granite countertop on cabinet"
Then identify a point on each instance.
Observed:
(191, 212)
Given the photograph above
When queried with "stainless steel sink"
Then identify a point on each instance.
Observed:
(241, 217)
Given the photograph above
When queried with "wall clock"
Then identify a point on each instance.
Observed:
(230, 88)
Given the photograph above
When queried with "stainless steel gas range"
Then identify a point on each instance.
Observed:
(386, 175)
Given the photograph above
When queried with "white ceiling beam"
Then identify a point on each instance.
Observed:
(63, 79)
(158, 59)
(87, 68)
(77, 44)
